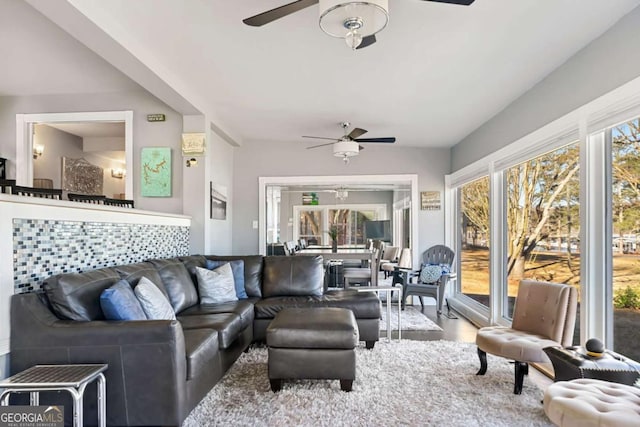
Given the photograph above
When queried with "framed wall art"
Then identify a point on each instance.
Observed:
(430, 201)
(218, 201)
(80, 176)
(155, 167)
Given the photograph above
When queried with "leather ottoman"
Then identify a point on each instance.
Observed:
(574, 362)
(312, 343)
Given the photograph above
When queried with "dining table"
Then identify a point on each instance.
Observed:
(346, 253)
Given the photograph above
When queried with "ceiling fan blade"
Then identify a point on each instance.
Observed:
(460, 2)
(387, 140)
(356, 132)
(277, 13)
(367, 41)
(321, 137)
(321, 145)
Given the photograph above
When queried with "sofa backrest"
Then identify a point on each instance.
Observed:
(293, 275)
(132, 273)
(178, 283)
(252, 271)
(76, 296)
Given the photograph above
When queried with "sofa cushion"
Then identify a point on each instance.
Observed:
(216, 286)
(237, 267)
(293, 275)
(154, 303)
(133, 272)
(76, 296)
(177, 281)
(228, 325)
(201, 347)
(243, 308)
(365, 305)
(119, 302)
(252, 271)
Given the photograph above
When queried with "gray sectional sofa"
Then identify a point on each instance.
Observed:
(159, 370)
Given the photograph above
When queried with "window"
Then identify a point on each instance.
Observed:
(310, 226)
(474, 237)
(625, 208)
(313, 222)
(543, 221)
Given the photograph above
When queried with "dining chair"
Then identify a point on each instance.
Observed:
(123, 203)
(86, 198)
(389, 260)
(45, 193)
(361, 274)
(7, 185)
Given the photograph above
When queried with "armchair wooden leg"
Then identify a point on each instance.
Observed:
(521, 369)
(482, 355)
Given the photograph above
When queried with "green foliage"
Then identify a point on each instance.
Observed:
(628, 297)
(333, 232)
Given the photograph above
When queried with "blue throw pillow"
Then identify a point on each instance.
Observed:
(119, 302)
(237, 267)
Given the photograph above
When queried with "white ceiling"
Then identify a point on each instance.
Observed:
(437, 72)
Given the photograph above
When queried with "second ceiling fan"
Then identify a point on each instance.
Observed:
(349, 144)
(355, 21)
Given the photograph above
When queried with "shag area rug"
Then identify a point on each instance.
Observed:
(426, 383)
(411, 319)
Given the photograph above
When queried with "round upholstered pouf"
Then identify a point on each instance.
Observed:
(589, 402)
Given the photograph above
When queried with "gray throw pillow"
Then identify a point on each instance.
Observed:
(155, 305)
(216, 286)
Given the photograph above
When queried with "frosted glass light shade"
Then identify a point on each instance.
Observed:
(334, 13)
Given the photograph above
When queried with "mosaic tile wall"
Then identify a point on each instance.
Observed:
(42, 248)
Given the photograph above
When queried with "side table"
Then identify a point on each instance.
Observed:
(573, 362)
(389, 292)
(71, 378)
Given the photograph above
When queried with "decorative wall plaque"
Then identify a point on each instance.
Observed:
(192, 143)
(430, 201)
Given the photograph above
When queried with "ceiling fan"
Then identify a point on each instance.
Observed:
(349, 144)
(355, 21)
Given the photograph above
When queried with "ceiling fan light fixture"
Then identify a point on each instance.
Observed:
(353, 39)
(346, 149)
(353, 20)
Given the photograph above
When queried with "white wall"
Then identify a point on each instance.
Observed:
(603, 65)
(256, 159)
(221, 236)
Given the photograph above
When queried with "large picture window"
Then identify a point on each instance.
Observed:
(625, 200)
(474, 237)
(543, 221)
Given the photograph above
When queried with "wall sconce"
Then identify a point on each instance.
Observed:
(37, 151)
(118, 173)
(192, 162)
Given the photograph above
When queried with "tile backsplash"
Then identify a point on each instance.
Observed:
(42, 248)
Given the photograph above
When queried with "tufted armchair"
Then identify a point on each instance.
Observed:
(544, 315)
